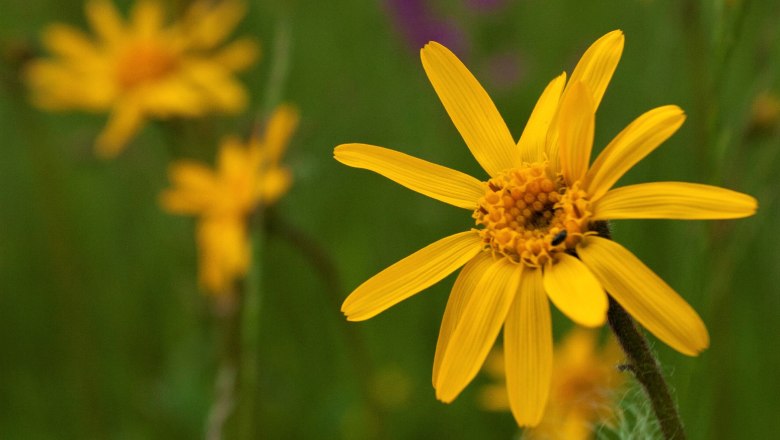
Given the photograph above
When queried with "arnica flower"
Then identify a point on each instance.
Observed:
(247, 176)
(142, 68)
(583, 393)
(537, 219)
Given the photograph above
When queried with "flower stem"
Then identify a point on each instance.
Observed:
(646, 370)
(642, 363)
(321, 261)
(250, 336)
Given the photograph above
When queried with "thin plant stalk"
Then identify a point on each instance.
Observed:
(250, 334)
(643, 364)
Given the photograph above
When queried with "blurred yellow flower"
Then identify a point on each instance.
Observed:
(537, 218)
(583, 392)
(143, 69)
(246, 176)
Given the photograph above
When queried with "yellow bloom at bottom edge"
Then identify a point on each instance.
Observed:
(583, 392)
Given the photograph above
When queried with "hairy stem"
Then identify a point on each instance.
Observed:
(643, 364)
(645, 368)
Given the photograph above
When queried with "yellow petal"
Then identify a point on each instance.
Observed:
(475, 332)
(471, 109)
(208, 23)
(598, 63)
(238, 55)
(635, 142)
(194, 188)
(279, 130)
(576, 122)
(123, 123)
(465, 285)
(68, 41)
(675, 200)
(147, 18)
(644, 295)
(528, 350)
(575, 291)
(172, 96)
(105, 20)
(274, 184)
(435, 181)
(223, 90)
(532, 143)
(232, 159)
(414, 273)
(224, 252)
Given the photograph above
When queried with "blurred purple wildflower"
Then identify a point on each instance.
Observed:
(419, 25)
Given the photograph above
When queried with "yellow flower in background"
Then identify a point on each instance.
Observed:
(143, 68)
(537, 217)
(247, 175)
(583, 392)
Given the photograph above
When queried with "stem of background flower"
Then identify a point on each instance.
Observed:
(321, 261)
(250, 334)
(643, 364)
(280, 67)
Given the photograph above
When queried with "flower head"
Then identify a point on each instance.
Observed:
(583, 392)
(247, 176)
(537, 217)
(142, 68)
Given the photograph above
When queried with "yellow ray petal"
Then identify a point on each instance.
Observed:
(471, 109)
(238, 55)
(598, 63)
(173, 96)
(194, 187)
(414, 273)
(528, 350)
(635, 142)
(147, 18)
(67, 41)
(279, 130)
(576, 122)
(233, 160)
(575, 291)
(533, 141)
(465, 285)
(223, 90)
(274, 184)
(208, 23)
(435, 181)
(644, 295)
(105, 20)
(123, 123)
(475, 332)
(224, 253)
(675, 200)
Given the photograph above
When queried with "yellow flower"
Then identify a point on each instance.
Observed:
(247, 176)
(142, 68)
(585, 380)
(537, 216)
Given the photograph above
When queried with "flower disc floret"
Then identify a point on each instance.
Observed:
(528, 214)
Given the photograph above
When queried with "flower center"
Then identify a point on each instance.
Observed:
(529, 214)
(144, 62)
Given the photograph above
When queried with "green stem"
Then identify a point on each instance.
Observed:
(645, 368)
(250, 336)
(320, 260)
(643, 364)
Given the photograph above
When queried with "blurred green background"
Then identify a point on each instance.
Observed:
(104, 334)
